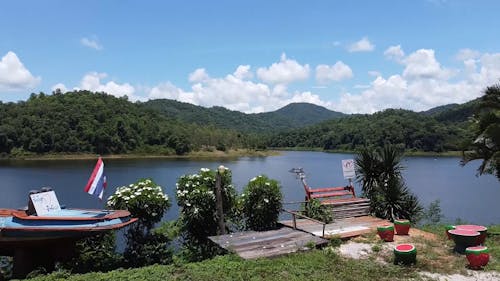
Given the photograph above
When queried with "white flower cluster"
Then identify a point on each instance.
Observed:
(144, 188)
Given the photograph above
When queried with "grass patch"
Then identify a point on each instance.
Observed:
(313, 265)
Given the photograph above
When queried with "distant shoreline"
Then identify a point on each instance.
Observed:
(192, 155)
(211, 154)
(407, 153)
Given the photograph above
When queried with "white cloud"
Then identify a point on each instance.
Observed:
(422, 64)
(424, 84)
(60, 86)
(92, 82)
(198, 75)
(284, 72)
(91, 43)
(395, 53)
(234, 91)
(363, 45)
(337, 72)
(14, 76)
(467, 54)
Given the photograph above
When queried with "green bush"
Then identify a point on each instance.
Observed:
(196, 196)
(261, 200)
(146, 201)
(96, 253)
(315, 210)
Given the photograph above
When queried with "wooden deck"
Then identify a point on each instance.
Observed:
(254, 244)
(343, 228)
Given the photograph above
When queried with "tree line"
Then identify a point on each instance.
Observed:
(87, 122)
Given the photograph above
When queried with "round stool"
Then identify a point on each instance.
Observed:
(402, 227)
(386, 233)
(405, 254)
(477, 256)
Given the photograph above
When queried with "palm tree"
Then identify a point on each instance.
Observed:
(380, 172)
(486, 145)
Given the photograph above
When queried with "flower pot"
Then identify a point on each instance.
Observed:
(405, 254)
(463, 239)
(402, 227)
(477, 256)
(479, 228)
(386, 233)
(449, 227)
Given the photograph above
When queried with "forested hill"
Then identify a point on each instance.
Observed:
(86, 122)
(411, 130)
(294, 115)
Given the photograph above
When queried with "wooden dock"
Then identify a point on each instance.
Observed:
(343, 228)
(255, 244)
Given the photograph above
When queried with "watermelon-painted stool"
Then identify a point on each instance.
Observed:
(477, 256)
(479, 228)
(463, 239)
(405, 254)
(386, 233)
(449, 227)
(402, 227)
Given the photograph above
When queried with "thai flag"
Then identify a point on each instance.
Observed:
(97, 181)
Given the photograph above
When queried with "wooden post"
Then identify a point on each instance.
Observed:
(218, 198)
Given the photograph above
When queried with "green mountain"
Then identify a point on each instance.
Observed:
(294, 115)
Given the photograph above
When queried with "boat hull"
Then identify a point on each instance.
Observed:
(18, 229)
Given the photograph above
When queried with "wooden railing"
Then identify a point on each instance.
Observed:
(296, 214)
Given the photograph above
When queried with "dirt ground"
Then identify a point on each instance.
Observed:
(428, 243)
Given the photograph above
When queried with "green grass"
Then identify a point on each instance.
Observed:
(434, 255)
(313, 265)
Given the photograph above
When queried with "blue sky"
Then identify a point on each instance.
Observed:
(254, 56)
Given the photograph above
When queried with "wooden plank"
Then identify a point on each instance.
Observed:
(344, 228)
(254, 244)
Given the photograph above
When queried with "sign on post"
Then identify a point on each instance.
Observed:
(348, 168)
(45, 202)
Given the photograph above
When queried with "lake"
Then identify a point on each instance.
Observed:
(461, 193)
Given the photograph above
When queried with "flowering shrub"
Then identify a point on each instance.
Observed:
(261, 203)
(144, 199)
(196, 195)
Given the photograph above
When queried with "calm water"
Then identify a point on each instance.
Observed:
(462, 194)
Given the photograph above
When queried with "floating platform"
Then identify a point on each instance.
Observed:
(259, 244)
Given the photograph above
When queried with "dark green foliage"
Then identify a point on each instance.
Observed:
(261, 202)
(196, 195)
(433, 214)
(486, 143)
(87, 122)
(146, 201)
(404, 128)
(294, 115)
(379, 171)
(5, 268)
(96, 253)
(146, 247)
(315, 210)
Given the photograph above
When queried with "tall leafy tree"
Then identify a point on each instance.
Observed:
(486, 145)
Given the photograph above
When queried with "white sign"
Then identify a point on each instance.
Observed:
(45, 202)
(348, 169)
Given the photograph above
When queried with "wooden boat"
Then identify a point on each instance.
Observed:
(17, 227)
(44, 232)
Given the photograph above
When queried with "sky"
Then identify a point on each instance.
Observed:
(254, 56)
